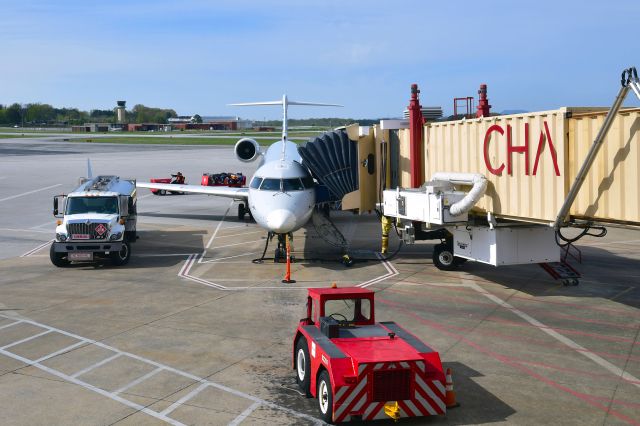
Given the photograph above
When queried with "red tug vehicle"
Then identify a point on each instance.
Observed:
(360, 369)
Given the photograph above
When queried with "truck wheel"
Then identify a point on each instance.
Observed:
(162, 192)
(121, 257)
(303, 367)
(58, 258)
(325, 397)
(443, 258)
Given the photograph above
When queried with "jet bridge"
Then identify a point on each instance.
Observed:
(543, 172)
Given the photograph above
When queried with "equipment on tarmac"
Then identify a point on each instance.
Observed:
(98, 221)
(360, 369)
(236, 180)
(177, 179)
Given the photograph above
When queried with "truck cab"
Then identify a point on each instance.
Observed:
(96, 220)
(358, 368)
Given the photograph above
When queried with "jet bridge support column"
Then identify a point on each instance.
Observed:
(629, 81)
(416, 124)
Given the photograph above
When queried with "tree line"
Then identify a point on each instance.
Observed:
(37, 114)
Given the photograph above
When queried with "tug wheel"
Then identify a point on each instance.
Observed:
(303, 367)
(325, 397)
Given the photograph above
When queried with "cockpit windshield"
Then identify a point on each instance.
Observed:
(270, 185)
(284, 185)
(294, 184)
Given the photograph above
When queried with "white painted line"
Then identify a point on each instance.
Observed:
(138, 380)
(29, 192)
(551, 332)
(214, 260)
(184, 399)
(96, 365)
(10, 325)
(165, 255)
(246, 413)
(79, 382)
(92, 388)
(235, 244)
(49, 223)
(25, 230)
(391, 272)
(242, 234)
(213, 237)
(35, 336)
(61, 351)
(37, 249)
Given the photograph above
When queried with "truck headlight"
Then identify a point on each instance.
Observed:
(61, 237)
(115, 236)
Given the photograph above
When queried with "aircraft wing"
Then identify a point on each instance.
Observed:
(220, 191)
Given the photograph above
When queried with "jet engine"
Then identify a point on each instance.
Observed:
(247, 150)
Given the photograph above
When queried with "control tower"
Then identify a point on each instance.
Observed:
(120, 112)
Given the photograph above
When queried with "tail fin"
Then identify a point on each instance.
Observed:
(285, 102)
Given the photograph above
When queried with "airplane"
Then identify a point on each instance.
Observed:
(281, 195)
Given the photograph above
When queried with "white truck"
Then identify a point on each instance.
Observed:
(96, 220)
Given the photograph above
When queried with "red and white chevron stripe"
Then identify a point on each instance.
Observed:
(427, 396)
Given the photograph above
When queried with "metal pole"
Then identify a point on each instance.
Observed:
(591, 156)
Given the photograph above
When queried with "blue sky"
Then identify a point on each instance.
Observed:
(198, 56)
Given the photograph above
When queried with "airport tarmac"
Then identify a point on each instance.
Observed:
(191, 331)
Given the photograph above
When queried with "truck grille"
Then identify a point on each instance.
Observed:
(391, 385)
(90, 229)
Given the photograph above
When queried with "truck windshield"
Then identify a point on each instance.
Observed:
(348, 309)
(81, 205)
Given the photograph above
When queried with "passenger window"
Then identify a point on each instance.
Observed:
(255, 183)
(308, 182)
(270, 185)
(292, 185)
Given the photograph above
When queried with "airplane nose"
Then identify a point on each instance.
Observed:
(281, 221)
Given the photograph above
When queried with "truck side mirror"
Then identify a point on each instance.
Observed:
(124, 206)
(58, 205)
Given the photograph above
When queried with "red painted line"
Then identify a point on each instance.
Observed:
(538, 311)
(583, 397)
(604, 376)
(617, 312)
(563, 330)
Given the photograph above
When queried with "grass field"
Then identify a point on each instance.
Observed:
(167, 141)
(12, 136)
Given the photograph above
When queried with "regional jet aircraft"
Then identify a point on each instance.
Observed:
(281, 194)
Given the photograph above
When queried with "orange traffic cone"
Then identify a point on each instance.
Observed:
(450, 395)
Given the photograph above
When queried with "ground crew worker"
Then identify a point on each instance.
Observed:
(178, 178)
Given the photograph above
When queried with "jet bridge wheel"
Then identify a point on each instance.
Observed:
(444, 259)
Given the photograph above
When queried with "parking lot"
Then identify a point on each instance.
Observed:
(192, 331)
